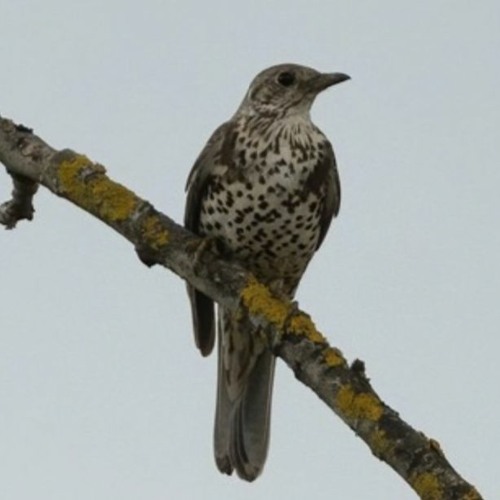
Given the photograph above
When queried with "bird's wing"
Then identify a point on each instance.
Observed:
(325, 177)
(200, 174)
(213, 154)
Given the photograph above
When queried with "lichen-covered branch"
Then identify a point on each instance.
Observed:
(291, 333)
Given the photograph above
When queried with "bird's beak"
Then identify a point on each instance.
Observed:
(325, 80)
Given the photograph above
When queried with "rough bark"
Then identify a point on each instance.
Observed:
(291, 333)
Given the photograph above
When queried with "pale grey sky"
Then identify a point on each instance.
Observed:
(103, 394)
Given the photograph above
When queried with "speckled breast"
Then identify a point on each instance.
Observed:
(264, 214)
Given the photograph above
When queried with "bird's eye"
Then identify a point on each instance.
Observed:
(286, 79)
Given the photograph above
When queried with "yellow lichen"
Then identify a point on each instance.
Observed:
(359, 405)
(472, 495)
(379, 442)
(427, 486)
(333, 357)
(258, 300)
(303, 325)
(94, 191)
(69, 170)
(154, 233)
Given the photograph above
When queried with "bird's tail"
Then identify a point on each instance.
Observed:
(244, 390)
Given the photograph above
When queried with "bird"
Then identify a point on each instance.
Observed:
(266, 188)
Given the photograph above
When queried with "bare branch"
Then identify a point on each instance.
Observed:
(291, 333)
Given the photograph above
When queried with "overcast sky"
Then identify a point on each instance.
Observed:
(102, 392)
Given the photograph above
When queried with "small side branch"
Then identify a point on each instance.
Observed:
(20, 207)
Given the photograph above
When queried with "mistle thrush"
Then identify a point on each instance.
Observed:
(265, 186)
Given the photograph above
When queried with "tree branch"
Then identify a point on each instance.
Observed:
(291, 334)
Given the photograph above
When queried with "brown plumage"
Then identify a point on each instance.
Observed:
(266, 186)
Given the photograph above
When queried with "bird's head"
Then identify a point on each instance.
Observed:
(286, 89)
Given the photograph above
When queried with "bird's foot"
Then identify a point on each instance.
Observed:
(200, 248)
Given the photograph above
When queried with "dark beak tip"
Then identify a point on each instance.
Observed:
(339, 78)
(325, 80)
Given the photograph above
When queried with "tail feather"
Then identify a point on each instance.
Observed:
(242, 420)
